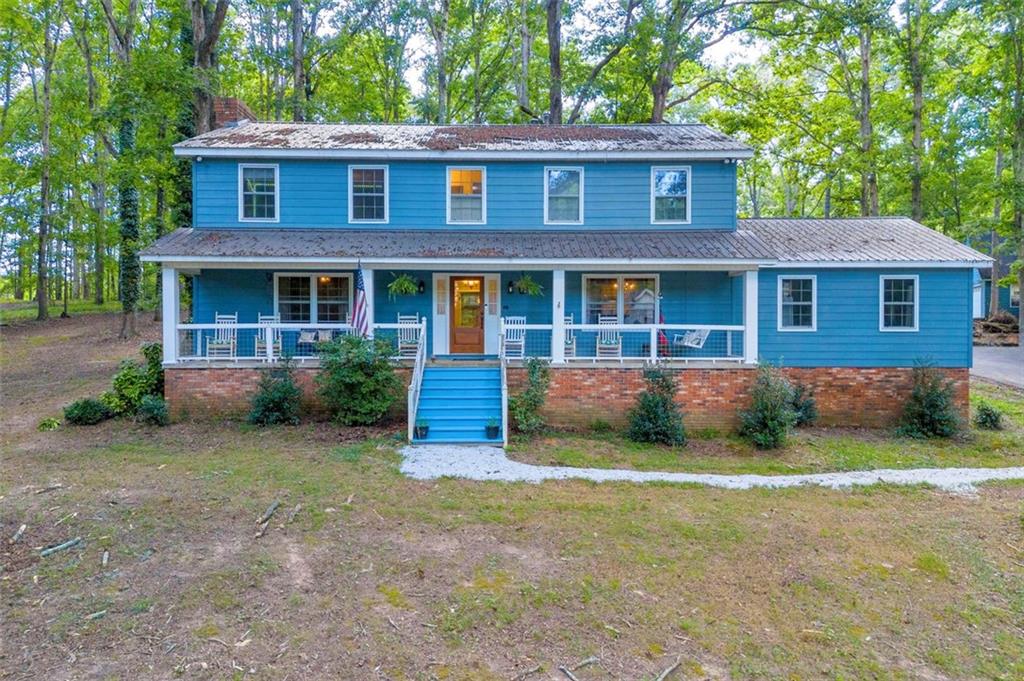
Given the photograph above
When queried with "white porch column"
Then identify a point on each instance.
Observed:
(171, 300)
(750, 306)
(558, 317)
(369, 288)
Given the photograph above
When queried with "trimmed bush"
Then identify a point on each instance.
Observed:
(524, 408)
(768, 421)
(988, 417)
(930, 410)
(276, 401)
(131, 383)
(357, 382)
(804, 405)
(656, 417)
(153, 411)
(87, 412)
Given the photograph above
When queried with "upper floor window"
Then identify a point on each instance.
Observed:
(313, 298)
(258, 192)
(798, 303)
(670, 195)
(563, 196)
(898, 303)
(467, 195)
(367, 193)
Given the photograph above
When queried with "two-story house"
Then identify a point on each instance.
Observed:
(600, 248)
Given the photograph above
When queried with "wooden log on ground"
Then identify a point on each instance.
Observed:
(60, 547)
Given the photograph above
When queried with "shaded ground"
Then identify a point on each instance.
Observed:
(379, 576)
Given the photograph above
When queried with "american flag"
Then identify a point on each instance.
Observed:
(359, 321)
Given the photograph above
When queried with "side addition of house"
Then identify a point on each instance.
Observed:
(599, 248)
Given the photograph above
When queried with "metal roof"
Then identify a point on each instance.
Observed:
(441, 140)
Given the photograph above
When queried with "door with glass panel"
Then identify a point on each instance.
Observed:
(467, 318)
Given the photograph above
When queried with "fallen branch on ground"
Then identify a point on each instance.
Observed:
(17, 535)
(269, 512)
(60, 547)
(51, 488)
(295, 512)
(529, 672)
(263, 529)
(664, 675)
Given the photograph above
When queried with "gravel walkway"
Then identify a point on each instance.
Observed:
(427, 462)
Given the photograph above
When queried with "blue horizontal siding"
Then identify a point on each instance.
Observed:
(314, 194)
(847, 330)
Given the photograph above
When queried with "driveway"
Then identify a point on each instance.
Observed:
(1002, 365)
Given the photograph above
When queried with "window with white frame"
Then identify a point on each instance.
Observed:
(313, 298)
(563, 196)
(798, 303)
(467, 195)
(630, 298)
(258, 192)
(670, 195)
(1015, 295)
(898, 303)
(368, 193)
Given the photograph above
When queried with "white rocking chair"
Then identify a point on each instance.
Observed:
(261, 339)
(609, 341)
(408, 335)
(224, 342)
(515, 337)
(570, 338)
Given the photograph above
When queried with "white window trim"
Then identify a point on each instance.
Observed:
(814, 303)
(548, 221)
(277, 192)
(387, 195)
(689, 195)
(312, 292)
(619, 303)
(881, 303)
(448, 195)
(1014, 287)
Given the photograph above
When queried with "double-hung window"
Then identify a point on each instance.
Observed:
(1015, 295)
(467, 195)
(258, 192)
(368, 194)
(798, 303)
(313, 298)
(899, 298)
(631, 299)
(670, 195)
(563, 196)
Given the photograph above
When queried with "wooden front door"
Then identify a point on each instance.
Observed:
(467, 315)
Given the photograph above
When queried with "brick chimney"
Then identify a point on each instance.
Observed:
(230, 111)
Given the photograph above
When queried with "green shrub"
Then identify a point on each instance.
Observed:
(656, 417)
(48, 424)
(276, 401)
(153, 411)
(525, 407)
(768, 421)
(988, 417)
(153, 353)
(357, 381)
(804, 405)
(87, 412)
(930, 410)
(131, 383)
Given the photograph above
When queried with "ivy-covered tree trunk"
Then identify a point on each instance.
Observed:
(128, 211)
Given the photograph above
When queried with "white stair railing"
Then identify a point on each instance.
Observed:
(416, 380)
(504, 382)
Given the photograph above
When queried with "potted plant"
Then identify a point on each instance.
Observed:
(492, 429)
(420, 430)
(402, 285)
(527, 286)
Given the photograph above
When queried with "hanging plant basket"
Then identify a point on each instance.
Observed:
(528, 287)
(402, 285)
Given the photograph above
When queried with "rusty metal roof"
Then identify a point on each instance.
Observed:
(289, 138)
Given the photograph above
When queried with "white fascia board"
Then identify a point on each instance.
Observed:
(875, 264)
(395, 155)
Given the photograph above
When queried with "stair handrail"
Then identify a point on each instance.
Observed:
(504, 382)
(416, 381)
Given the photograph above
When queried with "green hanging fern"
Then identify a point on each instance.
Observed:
(528, 287)
(402, 285)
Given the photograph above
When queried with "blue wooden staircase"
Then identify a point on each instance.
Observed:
(457, 403)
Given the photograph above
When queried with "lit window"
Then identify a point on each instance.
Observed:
(899, 303)
(368, 194)
(670, 195)
(313, 298)
(630, 299)
(1015, 296)
(467, 195)
(258, 192)
(797, 303)
(563, 195)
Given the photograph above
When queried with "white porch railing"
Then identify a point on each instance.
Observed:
(416, 380)
(503, 362)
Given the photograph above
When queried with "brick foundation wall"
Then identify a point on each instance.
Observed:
(711, 397)
(225, 392)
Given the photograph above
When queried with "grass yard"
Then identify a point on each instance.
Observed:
(12, 311)
(378, 576)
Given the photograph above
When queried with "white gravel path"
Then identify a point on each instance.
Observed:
(427, 462)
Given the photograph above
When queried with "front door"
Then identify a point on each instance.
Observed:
(467, 318)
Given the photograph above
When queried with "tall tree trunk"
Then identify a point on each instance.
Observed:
(1016, 37)
(868, 178)
(997, 216)
(158, 231)
(207, 22)
(554, 22)
(437, 22)
(523, 84)
(298, 65)
(42, 280)
(128, 212)
(98, 187)
(661, 86)
(181, 207)
(917, 126)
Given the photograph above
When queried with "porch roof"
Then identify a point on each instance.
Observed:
(321, 245)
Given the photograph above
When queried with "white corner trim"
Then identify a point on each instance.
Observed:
(689, 195)
(448, 195)
(882, 278)
(547, 221)
(277, 192)
(387, 195)
(814, 304)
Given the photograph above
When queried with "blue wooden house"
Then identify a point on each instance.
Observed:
(599, 248)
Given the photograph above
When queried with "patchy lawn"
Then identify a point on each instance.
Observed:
(378, 576)
(25, 310)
